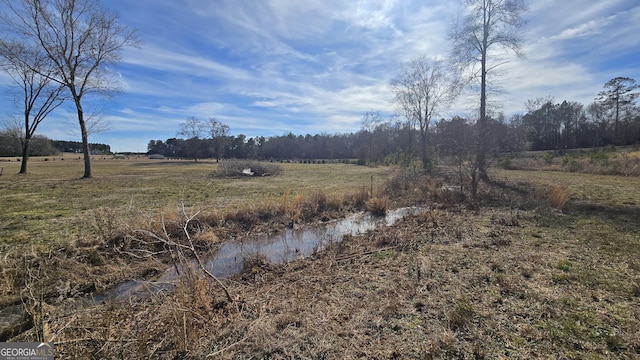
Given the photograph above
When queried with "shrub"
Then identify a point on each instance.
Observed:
(237, 168)
(505, 162)
(571, 161)
(400, 180)
(252, 264)
(548, 158)
(360, 197)
(599, 157)
(378, 206)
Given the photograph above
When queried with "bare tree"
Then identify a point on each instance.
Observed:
(598, 115)
(370, 121)
(81, 39)
(487, 25)
(422, 89)
(192, 128)
(618, 97)
(192, 131)
(39, 95)
(218, 132)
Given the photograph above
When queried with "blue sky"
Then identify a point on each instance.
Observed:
(267, 67)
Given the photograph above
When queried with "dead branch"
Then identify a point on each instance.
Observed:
(166, 240)
(195, 254)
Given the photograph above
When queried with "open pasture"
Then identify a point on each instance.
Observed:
(52, 202)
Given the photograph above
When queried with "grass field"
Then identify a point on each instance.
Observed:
(542, 264)
(52, 202)
(605, 190)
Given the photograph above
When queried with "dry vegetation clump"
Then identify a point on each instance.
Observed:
(410, 186)
(39, 279)
(288, 209)
(309, 206)
(358, 198)
(377, 206)
(558, 197)
(237, 168)
(401, 180)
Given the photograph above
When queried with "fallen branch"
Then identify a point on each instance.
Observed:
(165, 239)
(198, 259)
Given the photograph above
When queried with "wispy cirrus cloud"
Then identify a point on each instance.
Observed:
(273, 66)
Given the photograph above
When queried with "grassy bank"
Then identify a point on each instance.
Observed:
(623, 161)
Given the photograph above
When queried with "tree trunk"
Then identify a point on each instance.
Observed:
(25, 155)
(615, 131)
(85, 141)
(25, 145)
(482, 122)
(425, 158)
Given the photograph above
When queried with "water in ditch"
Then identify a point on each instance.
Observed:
(277, 248)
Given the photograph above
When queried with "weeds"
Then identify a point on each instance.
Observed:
(253, 264)
(558, 197)
(179, 247)
(359, 197)
(564, 265)
(461, 315)
(377, 206)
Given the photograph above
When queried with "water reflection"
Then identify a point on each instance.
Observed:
(276, 248)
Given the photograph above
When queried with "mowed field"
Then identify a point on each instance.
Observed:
(52, 201)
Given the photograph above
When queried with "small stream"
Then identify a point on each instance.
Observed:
(228, 261)
(278, 248)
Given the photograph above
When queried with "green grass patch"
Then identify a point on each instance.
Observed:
(51, 200)
(564, 265)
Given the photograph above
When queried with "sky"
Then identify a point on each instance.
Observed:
(270, 67)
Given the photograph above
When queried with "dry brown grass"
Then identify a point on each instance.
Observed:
(445, 284)
(377, 206)
(499, 279)
(624, 162)
(558, 197)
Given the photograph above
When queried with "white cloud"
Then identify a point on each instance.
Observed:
(156, 58)
(590, 28)
(267, 67)
(373, 15)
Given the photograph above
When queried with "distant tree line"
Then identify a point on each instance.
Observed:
(76, 147)
(566, 125)
(11, 145)
(547, 125)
